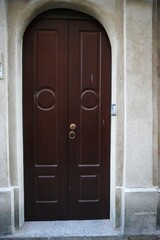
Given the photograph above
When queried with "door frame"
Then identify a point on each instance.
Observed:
(15, 101)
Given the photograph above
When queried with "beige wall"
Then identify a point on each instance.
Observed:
(131, 26)
(158, 87)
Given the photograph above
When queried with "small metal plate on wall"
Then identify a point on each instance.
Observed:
(1, 73)
(1, 70)
(113, 110)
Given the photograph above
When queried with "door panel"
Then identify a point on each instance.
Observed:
(66, 80)
(45, 119)
(89, 110)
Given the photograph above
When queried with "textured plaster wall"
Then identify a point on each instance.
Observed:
(140, 192)
(158, 72)
(4, 178)
(158, 85)
(129, 25)
(138, 94)
(6, 193)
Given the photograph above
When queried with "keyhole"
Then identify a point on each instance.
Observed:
(72, 135)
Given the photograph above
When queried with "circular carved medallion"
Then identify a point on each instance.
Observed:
(89, 99)
(45, 99)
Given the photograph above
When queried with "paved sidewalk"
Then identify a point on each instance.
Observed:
(74, 230)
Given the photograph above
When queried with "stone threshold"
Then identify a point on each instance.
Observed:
(74, 230)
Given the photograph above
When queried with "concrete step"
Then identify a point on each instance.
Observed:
(74, 230)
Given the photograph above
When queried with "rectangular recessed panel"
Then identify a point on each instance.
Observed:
(90, 98)
(89, 188)
(46, 121)
(90, 59)
(89, 137)
(46, 44)
(46, 189)
(46, 138)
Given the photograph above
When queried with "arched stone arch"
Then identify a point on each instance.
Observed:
(19, 16)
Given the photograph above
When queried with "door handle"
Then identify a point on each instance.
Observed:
(72, 135)
(73, 126)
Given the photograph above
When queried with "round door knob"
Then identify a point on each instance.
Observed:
(73, 126)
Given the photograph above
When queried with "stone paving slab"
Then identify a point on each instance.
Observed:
(147, 237)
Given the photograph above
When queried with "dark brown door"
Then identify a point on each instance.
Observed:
(66, 81)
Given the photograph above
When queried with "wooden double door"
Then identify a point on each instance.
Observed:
(66, 112)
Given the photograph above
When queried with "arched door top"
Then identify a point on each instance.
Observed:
(67, 81)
